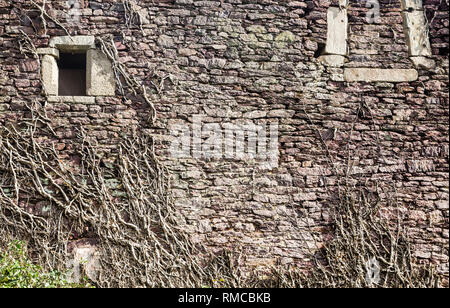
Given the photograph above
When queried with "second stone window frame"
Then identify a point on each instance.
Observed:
(415, 27)
(72, 67)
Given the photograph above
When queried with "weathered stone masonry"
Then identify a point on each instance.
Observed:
(378, 91)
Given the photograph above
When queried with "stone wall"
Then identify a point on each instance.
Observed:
(259, 62)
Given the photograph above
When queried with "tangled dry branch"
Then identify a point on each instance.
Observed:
(365, 251)
(49, 198)
(132, 85)
(125, 205)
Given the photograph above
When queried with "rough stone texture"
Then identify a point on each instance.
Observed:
(332, 60)
(49, 72)
(73, 43)
(337, 21)
(343, 3)
(72, 99)
(423, 63)
(224, 62)
(380, 75)
(84, 261)
(100, 79)
(411, 5)
(48, 51)
(416, 33)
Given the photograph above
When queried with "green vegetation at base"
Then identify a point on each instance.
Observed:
(17, 271)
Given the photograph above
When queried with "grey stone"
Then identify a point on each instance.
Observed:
(72, 99)
(332, 60)
(100, 79)
(285, 36)
(73, 43)
(411, 4)
(257, 29)
(337, 31)
(186, 52)
(165, 41)
(416, 33)
(48, 51)
(380, 75)
(85, 260)
(423, 62)
(50, 74)
(280, 113)
(343, 3)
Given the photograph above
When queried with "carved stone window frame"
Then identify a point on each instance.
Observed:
(100, 79)
(416, 31)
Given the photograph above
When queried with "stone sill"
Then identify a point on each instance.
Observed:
(72, 99)
(380, 75)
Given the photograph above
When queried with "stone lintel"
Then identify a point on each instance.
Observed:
(73, 43)
(380, 75)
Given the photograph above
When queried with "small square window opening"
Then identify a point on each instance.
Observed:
(72, 74)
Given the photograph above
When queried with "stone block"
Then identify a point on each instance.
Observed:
(85, 261)
(87, 100)
(285, 36)
(380, 75)
(416, 33)
(48, 51)
(343, 3)
(100, 79)
(257, 29)
(423, 63)
(332, 60)
(50, 75)
(337, 31)
(73, 43)
(29, 65)
(408, 5)
(166, 41)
